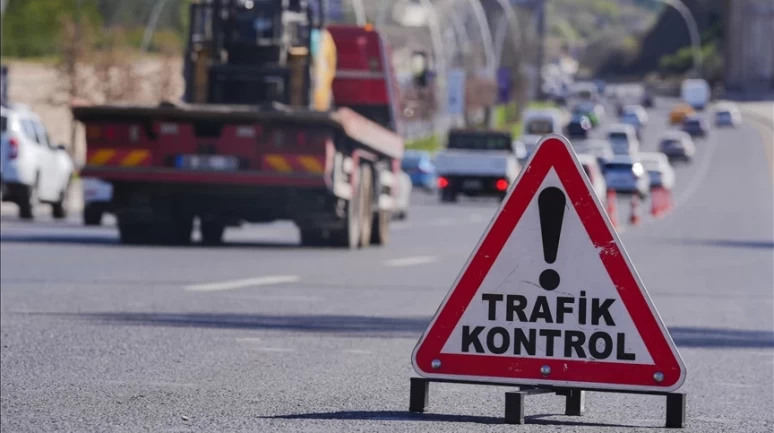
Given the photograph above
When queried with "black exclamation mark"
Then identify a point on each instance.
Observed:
(551, 207)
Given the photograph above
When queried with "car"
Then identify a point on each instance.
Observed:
(695, 126)
(601, 149)
(677, 145)
(594, 172)
(660, 172)
(403, 196)
(695, 92)
(623, 139)
(680, 112)
(520, 150)
(34, 169)
(595, 112)
(97, 197)
(647, 98)
(727, 114)
(420, 168)
(633, 120)
(626, 175)
(579, 126)
(638, 111)
(530, 142)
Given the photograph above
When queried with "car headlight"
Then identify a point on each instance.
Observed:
(637, 169)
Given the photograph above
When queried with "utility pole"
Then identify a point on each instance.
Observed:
(541, 34)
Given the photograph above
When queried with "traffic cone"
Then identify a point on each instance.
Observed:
(612, 209)
(657, 206)
(634, 219)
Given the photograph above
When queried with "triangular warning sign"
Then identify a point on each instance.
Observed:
(549, 295)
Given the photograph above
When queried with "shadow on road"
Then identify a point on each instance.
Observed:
(716, 338)
(394, 327)
(112, 240)
(436, 417)
(723, 243)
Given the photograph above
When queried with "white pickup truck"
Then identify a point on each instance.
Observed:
(476, 163)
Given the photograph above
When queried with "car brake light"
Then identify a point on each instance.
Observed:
(501, 185)
(13, 148)
(443, 182)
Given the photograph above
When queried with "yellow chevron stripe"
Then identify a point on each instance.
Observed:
(135, 157)
(102, 156)
(278, 163)
(311, 164)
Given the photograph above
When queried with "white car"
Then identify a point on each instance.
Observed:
(623, 139)
(34, 170)
(601, 149)
(639, 111)
(594, 173)
(403, 197)
(677, 145)
(97, 195)
(626, 174)
(660, 172)
(727, 114)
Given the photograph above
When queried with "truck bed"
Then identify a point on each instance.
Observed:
(374, 136)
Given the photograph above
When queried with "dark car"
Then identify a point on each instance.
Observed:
(579, 126)
(647, 99)
(695, 126)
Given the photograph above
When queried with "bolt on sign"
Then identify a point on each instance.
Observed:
(549, 296)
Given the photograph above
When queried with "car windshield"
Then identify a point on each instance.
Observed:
(540, 127)
(692, 123)
(670, 142)
(479, 141)
(619, 166)
(630, 118)
(411, 162)
(618, 136)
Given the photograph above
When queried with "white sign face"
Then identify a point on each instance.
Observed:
(455, 85)
(583, 318)
(549, 295)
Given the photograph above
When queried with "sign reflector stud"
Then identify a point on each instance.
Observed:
(549, 296)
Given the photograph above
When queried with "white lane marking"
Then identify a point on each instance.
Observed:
(273, 349)
(240, 284)
(411, 261)
(698, 176)
(248, 339)
(357, 351)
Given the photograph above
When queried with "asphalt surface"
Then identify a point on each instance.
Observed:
(263, 335)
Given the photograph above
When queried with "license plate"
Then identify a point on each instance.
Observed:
(472, 184)
(207, 162)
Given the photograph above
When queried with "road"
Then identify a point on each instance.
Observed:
(262, 335)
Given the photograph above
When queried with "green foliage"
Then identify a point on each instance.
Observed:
(31, 28)
(682, 61)
(431, 144)
(34, 28)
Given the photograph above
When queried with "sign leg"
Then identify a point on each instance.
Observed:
(675, 410)
(575, 402)
(514, 407)
(419, 396)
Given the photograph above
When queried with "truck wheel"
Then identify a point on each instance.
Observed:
(212, 232)
(135, 233)
(312, 238)
(180, 230)
(366, 205)
(448, 195)
(380, 232)
(92, 214)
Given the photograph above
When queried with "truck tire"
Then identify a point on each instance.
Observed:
(178, 231)
(448, 195)
(348, 236)
(212, 232)
(380, 232)
(135, 233)
(312, 237)
(92, 214)
(366, 204)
